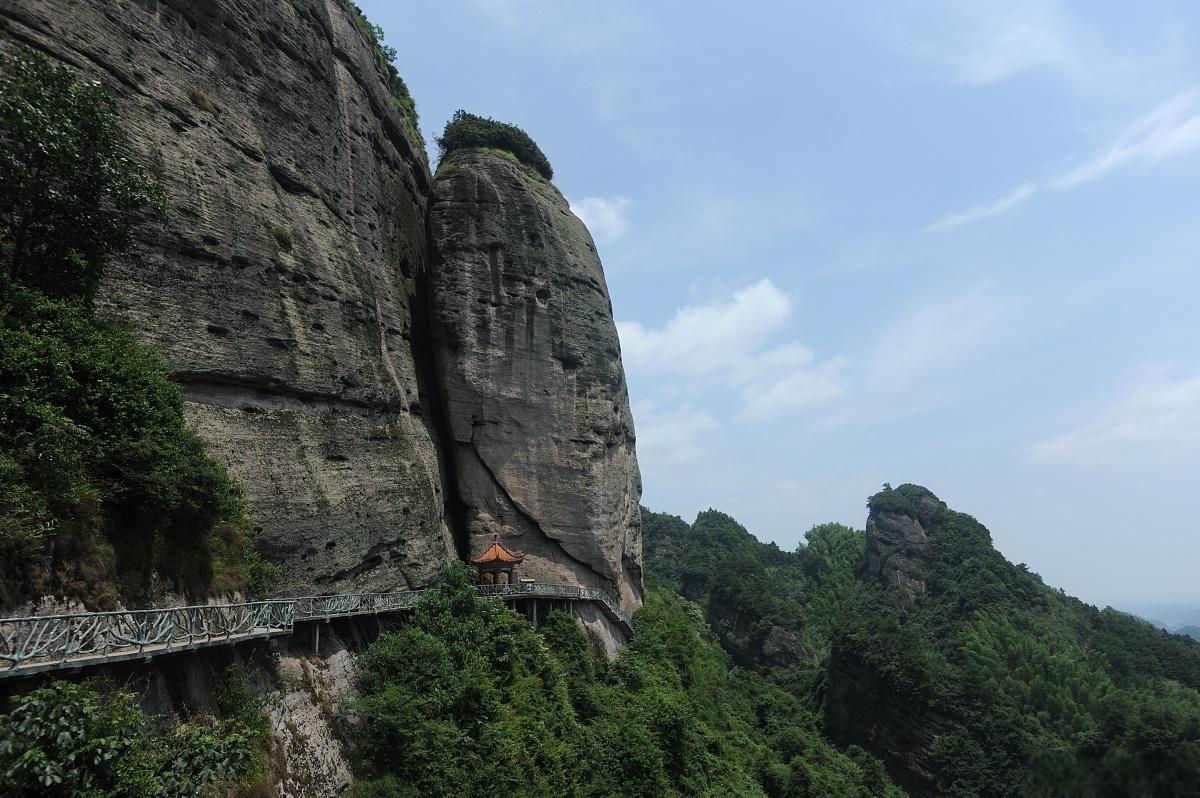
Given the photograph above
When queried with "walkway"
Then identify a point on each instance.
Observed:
(40, 643)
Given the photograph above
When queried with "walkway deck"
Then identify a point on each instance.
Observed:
(49, 642)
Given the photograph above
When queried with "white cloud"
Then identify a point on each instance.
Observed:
(938, 333)
(574, 27)
(701, 339)
(984, 41)
(792, 388)
(734, 344)
(670, 437)
(1159, 416)
(1169, 131)
(607, 218)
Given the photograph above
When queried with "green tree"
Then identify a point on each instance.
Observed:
(102, 484)
(68, 193)
(467, 131)
(74, 741)
(468, 699)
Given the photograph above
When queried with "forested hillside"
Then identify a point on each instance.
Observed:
(986, 683)
(468, 698)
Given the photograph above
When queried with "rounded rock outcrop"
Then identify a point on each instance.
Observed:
(529, 368)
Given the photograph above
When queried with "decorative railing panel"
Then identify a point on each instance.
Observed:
(77, 636)
(314, 607)
(49, 641)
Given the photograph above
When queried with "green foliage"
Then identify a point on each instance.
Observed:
(468, 699)
(1075, 700)
(95, 455)
(467, 131)
(68, 195)
(101, 483)
(283, 237)
(74, 741)
(1041, 694)
(773, 610)
(385, 56)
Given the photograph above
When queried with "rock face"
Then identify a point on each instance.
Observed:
(281, 287)
(290, 291)
(529, 368)
(898, 542)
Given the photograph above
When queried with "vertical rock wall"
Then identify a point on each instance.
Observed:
(529, 368)
(281, 288)
(387, 409)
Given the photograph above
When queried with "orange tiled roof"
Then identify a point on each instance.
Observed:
(496, 553)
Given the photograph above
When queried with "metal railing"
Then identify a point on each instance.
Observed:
(336, 606)
(568, 592)
(57, 640)
(47, 642)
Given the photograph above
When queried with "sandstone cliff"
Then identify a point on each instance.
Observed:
(293, 295)
(529, 367)
(898, 541)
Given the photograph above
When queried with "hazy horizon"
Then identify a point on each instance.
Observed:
(856, 243)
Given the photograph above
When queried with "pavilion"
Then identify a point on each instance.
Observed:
(497, 560)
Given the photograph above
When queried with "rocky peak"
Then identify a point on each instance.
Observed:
(529, 366)
(898, 528)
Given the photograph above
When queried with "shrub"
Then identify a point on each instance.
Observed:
(201, 101)
(468, 131)
(67, 740)
(385, 57)
(283, 237)
(68, 194)
(88, 416)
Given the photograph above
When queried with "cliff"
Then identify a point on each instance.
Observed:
(898, 541)
(324, 354)
(529, 368)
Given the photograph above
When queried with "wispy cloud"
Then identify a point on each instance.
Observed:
(573, 27)
(1169, 131)
(671, 437)
(606, 217)
(740, 344)
(1159, 415)
(984, 41)
(936, 334)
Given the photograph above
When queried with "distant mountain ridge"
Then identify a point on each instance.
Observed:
(1174, 617)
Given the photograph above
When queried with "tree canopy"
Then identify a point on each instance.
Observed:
(467, 131)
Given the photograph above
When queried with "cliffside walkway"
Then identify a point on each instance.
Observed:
(50, 642)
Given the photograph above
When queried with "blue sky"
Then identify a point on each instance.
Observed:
(848, 243)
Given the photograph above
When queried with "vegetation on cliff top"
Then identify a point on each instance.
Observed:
(468, 699)
(103, 489)
(385, 57)
(467, 131)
